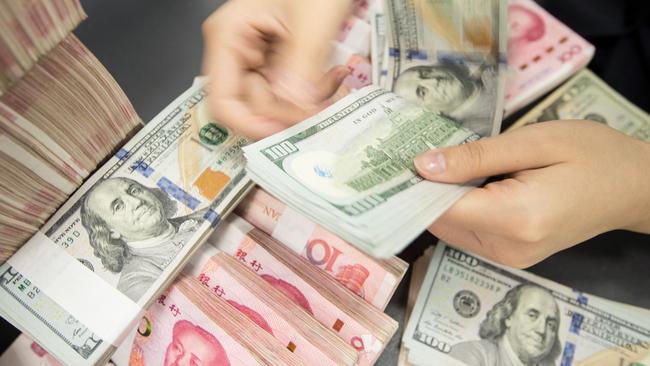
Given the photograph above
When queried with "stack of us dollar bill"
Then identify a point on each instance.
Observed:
(470, 311)
(350, 168)
(78, 286)
(425, 37)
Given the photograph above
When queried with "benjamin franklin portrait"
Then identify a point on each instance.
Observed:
(450, 88)
(132, 230)
(520, 330)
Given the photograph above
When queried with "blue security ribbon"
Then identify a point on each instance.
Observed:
(178, 193)
(212, 217)
(122, 154)
(568, 353)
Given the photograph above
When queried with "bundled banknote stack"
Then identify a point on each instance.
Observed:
(125, 233)
(61, 113)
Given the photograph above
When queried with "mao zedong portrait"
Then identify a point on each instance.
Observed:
(521, 329)
(132, 230)
(193, 345)
(524, 26)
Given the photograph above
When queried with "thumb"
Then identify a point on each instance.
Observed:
(525, 148)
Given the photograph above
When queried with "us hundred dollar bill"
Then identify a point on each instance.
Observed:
(586, 96)
(450, 57)
(125, 233)
(350, 168)
(474, 312)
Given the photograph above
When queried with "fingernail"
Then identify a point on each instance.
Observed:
(432, 162)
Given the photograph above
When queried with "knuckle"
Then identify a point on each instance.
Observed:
(531, 229)
(516, 257)
(530, 225)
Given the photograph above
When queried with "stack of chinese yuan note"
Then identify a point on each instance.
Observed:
(325, 316)
(61, 114)
(30, 29)
(313, 294)
(189, 324)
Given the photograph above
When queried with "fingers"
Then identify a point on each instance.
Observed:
(265, 64)
(246, 123)
(332, 81)
(236, 42)
(525, 148)
(313, 25)
(493, 208)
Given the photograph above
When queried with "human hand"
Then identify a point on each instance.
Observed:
(265, 60)
(569, 181)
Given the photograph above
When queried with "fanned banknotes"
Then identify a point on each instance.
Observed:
(586, 96)
(450, 56)
(355, 321)
(124, 235)
(350, 168)
(542, 52)
(471, 311)
(375, 280)
(267, 306)
(30, 29)
(189, 325)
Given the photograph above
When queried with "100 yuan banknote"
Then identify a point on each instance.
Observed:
(125, 233)
(450, 56)
(372, 279)
(473, 311)
(542, 53)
